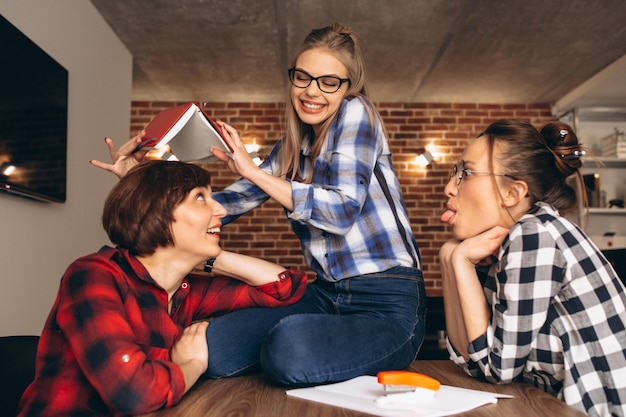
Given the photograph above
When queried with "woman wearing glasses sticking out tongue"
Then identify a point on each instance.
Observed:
(333, 175)
(527, 294)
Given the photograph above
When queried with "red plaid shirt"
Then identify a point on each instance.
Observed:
(105, 348)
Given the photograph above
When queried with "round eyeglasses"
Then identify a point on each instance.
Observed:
(460, 173)
(326, 83)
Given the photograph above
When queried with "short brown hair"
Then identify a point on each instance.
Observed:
(138, 212)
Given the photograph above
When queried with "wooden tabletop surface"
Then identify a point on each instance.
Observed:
(254, 396)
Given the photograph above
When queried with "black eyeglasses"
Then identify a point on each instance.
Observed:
(326, 83)
(459, 174)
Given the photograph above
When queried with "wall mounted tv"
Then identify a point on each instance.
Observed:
(33, 118)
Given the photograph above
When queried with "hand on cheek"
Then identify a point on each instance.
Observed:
(480, 249)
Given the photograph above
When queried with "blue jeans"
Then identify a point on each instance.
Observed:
(338, 331)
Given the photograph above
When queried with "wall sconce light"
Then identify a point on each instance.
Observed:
(424, 159)
(163, 154)
(7, 169)
(252, 149)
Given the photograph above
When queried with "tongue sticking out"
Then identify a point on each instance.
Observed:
(445, 217)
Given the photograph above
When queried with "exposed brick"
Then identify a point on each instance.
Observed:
(266, 233)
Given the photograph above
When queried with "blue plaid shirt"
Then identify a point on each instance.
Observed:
(343, 220)
(558, 317)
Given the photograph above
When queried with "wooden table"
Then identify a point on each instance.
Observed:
(253, 396)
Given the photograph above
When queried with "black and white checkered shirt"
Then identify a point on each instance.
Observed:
(558, 316)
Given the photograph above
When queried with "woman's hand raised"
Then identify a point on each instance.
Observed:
(124, 158)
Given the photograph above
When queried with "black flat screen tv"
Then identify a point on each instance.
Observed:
(33, 118)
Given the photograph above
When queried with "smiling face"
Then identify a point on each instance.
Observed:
(312, 105)
(197, 223)
(475, 205)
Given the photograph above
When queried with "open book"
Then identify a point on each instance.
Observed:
(185, 131)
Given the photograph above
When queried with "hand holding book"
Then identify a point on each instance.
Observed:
(184, 133)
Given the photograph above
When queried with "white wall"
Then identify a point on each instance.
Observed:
(39, 240)
(607, 88)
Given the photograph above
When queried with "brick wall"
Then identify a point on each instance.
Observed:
(447, 127)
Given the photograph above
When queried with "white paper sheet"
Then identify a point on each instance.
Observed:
(360, 394)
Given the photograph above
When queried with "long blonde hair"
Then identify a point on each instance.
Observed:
(340, 41)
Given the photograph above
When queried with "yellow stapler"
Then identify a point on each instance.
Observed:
(405, 389)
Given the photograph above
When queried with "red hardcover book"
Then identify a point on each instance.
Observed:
(188, 132)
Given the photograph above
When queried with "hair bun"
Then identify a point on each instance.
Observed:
(559, 134)
(563, 143)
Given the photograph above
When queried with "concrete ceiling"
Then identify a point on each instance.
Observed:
(489, 51)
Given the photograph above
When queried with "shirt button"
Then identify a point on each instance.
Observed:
(125, 358)
(184, 286)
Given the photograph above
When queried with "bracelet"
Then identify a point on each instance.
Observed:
(208, 264)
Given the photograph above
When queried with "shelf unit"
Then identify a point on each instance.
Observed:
(612, 176)
(607, 162)
(605, 226)
(609, 211)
